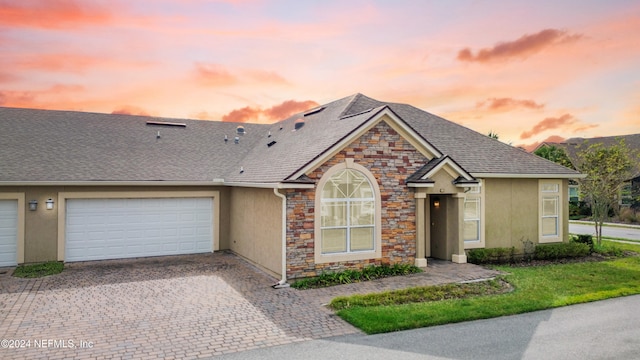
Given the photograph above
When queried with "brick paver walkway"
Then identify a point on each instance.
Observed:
(175, 307)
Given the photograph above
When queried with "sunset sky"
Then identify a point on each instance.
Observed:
(526, 70)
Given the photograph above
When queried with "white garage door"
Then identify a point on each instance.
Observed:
(98, 229)
(8, 232)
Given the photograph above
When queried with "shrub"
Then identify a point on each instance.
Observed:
(584, 239)
(561, 250)
(491, 256)
(628, 215)
(608, 250)
(350, 276)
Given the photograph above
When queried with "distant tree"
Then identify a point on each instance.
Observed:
(607, 168)
(555, 154)
(493, 135)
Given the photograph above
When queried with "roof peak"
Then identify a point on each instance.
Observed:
(359, 103)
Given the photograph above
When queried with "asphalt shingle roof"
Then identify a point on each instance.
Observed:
(67, 146)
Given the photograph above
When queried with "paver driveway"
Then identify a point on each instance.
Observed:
(174, 307)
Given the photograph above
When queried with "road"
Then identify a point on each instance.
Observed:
(608, 329)
(608, 231)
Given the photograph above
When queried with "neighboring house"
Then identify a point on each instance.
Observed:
(630, 189)
(350, 183)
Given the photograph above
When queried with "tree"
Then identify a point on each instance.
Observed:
(555, 154)
(607, 168)
(492, 135)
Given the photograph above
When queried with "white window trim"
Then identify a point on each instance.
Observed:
(477, 244)
(351, 256)
(546, 194)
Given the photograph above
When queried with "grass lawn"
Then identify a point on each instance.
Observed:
(39, 270)
(535, 288)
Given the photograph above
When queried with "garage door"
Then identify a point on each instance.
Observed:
(8, 232)
(98, 229)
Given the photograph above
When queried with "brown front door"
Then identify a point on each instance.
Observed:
(438, 212)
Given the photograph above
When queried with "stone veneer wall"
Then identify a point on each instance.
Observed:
(391, 159)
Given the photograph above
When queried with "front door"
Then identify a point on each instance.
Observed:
(438, 231)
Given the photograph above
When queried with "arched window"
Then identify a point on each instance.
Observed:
(347, 213)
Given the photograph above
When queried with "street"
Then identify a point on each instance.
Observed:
(606, 329)
(608, 231)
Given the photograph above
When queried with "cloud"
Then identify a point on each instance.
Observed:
(520, 48)
(17, 98)
(53, 14)
(549, 123)
(507, 104)
(203, 115)
(74, 63)
(214, 75)
(550, 139)
(130, 110)
(270, 115)
(288, 108)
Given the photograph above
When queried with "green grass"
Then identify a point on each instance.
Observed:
(39, 270)
(535, 288)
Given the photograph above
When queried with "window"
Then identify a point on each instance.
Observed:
(574, 194)
(550, 212)
(473, 227)
(347, 208)
(347, 213)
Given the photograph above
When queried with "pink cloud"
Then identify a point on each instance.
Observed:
(506, 104)
(520, 48)
(62, 62)
(270, 115)
(214, 75)
(549, 123)
(130, 110)
(53, 14)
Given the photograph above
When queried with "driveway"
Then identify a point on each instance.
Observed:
(175, 307)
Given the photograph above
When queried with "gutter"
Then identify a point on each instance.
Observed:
(283, 282)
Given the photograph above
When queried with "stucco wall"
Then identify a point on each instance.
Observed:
(41, 226)
(511, 213)
(256, 227)
(390, 159)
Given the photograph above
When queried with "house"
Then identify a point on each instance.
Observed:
(350, 183)
(630, 190)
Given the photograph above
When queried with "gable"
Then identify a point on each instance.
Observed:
(385, 126)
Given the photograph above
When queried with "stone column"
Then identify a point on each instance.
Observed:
(421, 259)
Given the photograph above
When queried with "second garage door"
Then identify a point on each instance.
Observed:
(98, 229)
(8, 232)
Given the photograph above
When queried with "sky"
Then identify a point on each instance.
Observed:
(529, 71)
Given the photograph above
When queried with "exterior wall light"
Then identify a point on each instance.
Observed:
(436, 204)
(33, 205)
(49, 203)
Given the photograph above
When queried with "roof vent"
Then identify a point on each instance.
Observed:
(298, 124)
(241, 169)
(236, 140)
(226, 138)
(269, 134)
(313, 111)
(165, 123)
(270, 144)
(240, 130)
(356, 114)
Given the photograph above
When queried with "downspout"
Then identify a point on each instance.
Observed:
(283, 282)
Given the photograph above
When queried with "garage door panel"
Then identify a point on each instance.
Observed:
(137, 227)
(8, 232)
